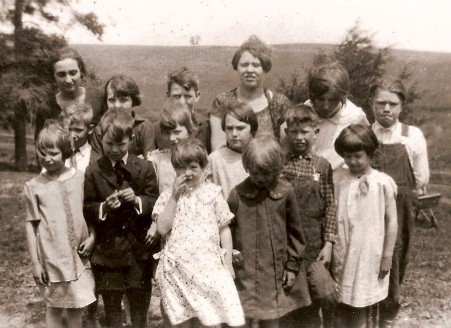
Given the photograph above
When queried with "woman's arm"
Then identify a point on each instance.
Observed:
(218, 137)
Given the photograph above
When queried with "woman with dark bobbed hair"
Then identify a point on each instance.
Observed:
(251, 61)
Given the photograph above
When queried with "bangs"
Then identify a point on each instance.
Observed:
(188, 151)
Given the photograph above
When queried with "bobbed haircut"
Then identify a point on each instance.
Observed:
(118, 123)
(356, 137)
(123, 86)
(79, 112)
(301, 114)
(184, 77)
(54, 134)
(263, 153)
(328, 77)
(242, 112)
(393, 86)
(258, 49)
(176, 113)
(188, 151)
(68, 53)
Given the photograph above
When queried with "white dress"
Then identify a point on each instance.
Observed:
(330, 128)
(226, 169)
(191, 274)
(360, 238)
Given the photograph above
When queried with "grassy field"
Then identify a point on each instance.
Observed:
(427, 287)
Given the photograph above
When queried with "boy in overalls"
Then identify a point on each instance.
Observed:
(311, 177)
(403, 156)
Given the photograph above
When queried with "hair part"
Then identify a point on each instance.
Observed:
(258, 49)
(184, 77)
(188, 151)
(175, 113)
(301, 114)
(69, 53)
(356, 137)
(242, 112)
(117, 122)
(54, 134)
(328, 77)
(263, 153)
(393, 86)
(123, 86)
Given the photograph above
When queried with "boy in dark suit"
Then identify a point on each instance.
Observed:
(120, 192)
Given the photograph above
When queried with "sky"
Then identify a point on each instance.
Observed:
(414, 24)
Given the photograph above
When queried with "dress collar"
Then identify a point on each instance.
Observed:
(249, 190)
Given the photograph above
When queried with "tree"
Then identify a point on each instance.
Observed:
(25, 78)
(194, 40)
(365, 64)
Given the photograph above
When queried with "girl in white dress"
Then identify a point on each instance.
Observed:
(367, 228)
(194, 276)
(59, 240)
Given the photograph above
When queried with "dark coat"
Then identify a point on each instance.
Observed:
(267, 231)
(120, 237)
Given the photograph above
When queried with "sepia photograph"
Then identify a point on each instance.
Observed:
(239, 163)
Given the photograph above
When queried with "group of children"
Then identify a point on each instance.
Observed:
(254, 233)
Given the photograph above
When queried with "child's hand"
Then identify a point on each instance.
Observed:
(288, 280)
(127, 195)
(40, 276)
(180, 186)
(325, 255)
(111, 202)
(385, 266)
(86, 247)
(152, 236)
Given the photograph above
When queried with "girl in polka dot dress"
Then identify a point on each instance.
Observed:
(194, 274)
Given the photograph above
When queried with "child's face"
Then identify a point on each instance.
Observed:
(67, 75)
(250, 71)
(188, 97)
(301, 137)
(179, 133)
(358, 162)
(386, 107)
(238, 133)
(51, 159)
(193, 173)
(327, 105)
(263, 178)
(115, 102)
(79, 133)
(115, 150)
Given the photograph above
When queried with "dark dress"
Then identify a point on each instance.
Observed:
(277, 105)
(51, 110)
(267, 231)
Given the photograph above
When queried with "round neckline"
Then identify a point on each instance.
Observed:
(74, 173)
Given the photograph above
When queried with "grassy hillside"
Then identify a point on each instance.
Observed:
(149, 65)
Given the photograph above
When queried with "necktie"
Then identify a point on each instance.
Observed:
(73, 158)
(119, 169)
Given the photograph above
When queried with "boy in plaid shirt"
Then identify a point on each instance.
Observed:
(311, 177)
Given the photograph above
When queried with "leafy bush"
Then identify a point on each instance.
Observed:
(365, 64)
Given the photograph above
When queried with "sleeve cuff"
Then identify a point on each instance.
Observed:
(139, 208)
(101, 216)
